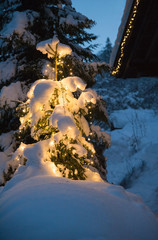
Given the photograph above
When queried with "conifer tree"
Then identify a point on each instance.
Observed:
(60, 116)
(105, 54)
(24, 24)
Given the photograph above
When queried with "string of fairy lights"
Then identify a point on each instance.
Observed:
(90, 114)
(60, 62)
(91, 133)
(126, 37)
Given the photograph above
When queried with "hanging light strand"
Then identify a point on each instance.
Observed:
(126, 37)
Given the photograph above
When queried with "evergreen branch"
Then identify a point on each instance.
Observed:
(51, 48)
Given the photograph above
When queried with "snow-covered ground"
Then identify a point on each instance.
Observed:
(35, 205)
(133, 156)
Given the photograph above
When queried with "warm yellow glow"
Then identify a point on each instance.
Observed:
(51, 143)
(55, 170)
(22, 147)
(21, 120)
(41, 108)
(126, 36)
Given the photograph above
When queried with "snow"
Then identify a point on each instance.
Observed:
(121, 29)
(55, 45)
(11, 94)
(6, 140)
(84, 125)
(20, 21)
(72, 19)
(69, 20)
(36, 204)
(40, 93)
(64, 121)
(86, 97)
(40, 207)
(17, 24)
(73, 83)
(3, 165)
(136, 165)
(7, 69)
(6, 147)
(101, 134)
(65, 125)
(79, 149)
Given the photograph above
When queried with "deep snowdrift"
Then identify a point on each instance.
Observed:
(136, 166)
(44, 207)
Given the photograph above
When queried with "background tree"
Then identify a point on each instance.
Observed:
(105, 54)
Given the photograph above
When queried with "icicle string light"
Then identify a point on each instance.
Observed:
(125, 38)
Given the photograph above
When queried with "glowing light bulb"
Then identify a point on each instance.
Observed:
(22, 147)
(22, 120)
(51, 143)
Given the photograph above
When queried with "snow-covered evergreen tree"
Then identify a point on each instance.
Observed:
(24, 24)
(105, 54)
(58, 120)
